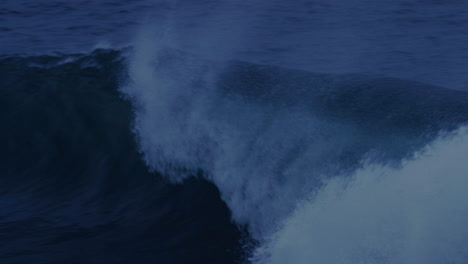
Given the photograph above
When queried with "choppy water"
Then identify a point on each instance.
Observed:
(421, 40)
(232, 132)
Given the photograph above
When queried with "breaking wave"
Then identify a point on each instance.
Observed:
(319, 167)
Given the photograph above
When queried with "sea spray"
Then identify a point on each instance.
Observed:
(270, 137)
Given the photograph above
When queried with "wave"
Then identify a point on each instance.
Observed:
(269, 138)
(73, 186)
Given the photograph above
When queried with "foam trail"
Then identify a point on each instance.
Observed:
(416, 214)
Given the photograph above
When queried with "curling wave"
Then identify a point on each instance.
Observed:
(73, 187)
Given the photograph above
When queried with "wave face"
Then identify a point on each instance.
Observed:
(319, 167)
(73, 187)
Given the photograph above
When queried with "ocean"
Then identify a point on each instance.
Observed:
(247, 132)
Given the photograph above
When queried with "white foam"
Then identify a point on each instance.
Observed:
(417, 214)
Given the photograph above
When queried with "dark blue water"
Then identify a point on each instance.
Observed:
(74, 188)
(231, 132)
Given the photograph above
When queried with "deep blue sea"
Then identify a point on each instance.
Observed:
(227, 131)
